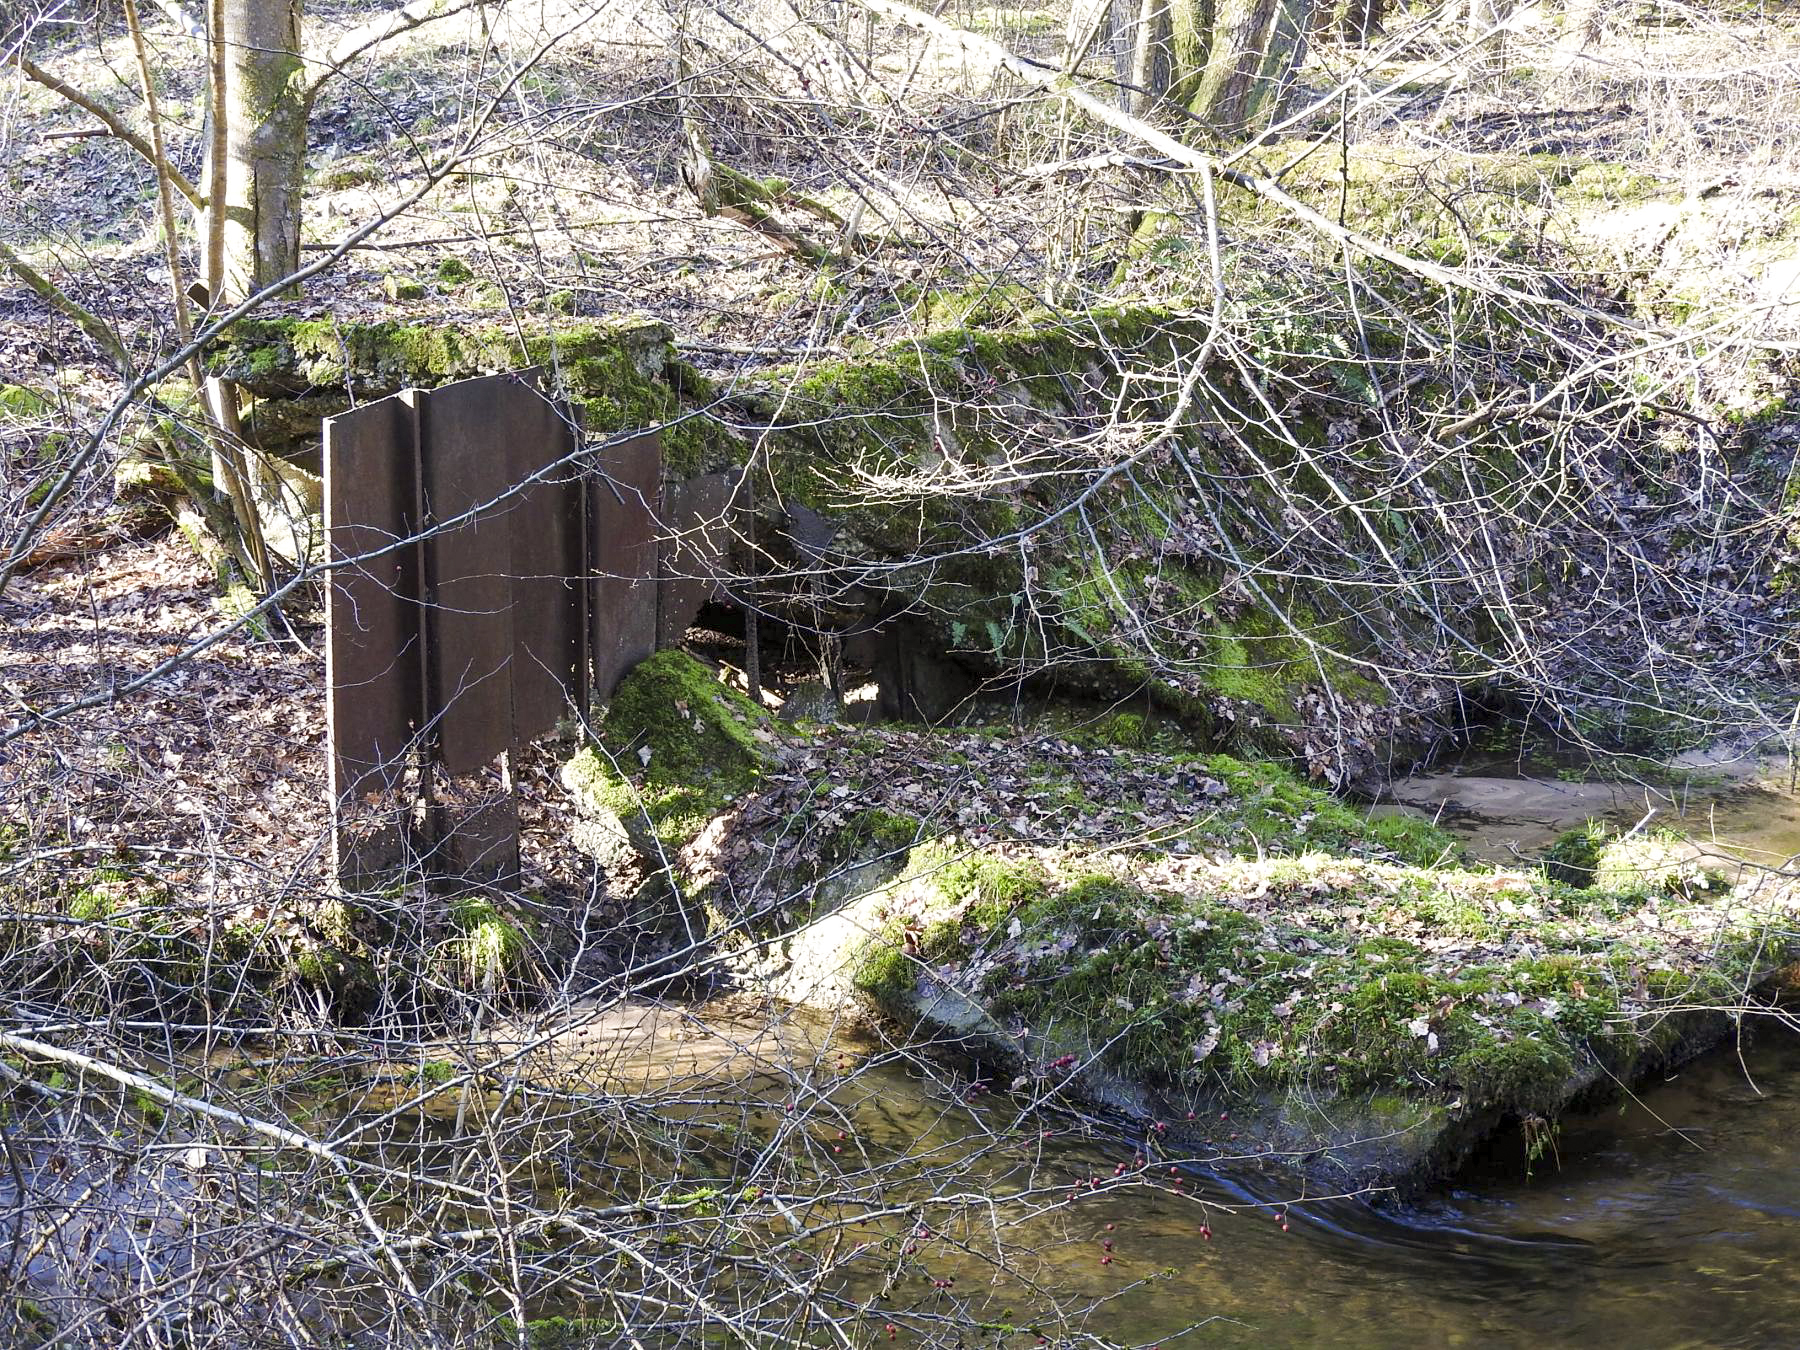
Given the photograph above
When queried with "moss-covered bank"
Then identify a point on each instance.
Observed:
(1174, 935)
(1367, 1020)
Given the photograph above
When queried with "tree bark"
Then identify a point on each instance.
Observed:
(266, 104)
(1361, 20)
(1250, 54)
(1228, 62)
(1487, 39)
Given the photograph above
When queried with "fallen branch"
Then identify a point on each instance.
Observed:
(111, 122)
(54, 296)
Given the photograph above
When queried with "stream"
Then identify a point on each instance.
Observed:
(1673, 1221)
(1670, 1221)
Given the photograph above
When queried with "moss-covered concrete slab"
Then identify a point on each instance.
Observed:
(675, 747)
(1367, 1022)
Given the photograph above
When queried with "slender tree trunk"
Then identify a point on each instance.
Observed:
(217, 147)
(1361, 20)
(1486, 36)
(1583, 21)
(1115, 26)
(1152, 70)
(266, 104)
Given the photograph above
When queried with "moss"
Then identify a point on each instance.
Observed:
(1411, 839)
(886, 830)
(107, 891)
(1572, 857)
(397, 287)
(1191, 992)
(1655, 864)
(25, 404)
(1130, 730)
(454, 272)
(337, 177)
(488, 949)
(1266, 802)
(884, 971)
(676, 746)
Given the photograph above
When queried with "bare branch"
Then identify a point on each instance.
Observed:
(366, 37)
(58, 299)
(1055, 84)
(67, 91)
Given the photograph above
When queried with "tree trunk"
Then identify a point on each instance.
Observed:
(1583, 21)
(1116, 27)
(265, 157)
(1234, 78)
(1486, 38)
(1361, 20)
(1152, 69)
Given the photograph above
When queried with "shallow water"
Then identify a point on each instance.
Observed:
(1507, 812)
(1673, 1222)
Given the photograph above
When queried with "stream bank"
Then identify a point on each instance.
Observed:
(1170, 935)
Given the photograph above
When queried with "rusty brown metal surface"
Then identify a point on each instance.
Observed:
(548, 552)
(696, 536)
(526, 565)
(477, 843)
(373, 660)
(466, 473)
(624, 504)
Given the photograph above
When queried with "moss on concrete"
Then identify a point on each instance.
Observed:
(1449, 994)
(676, 746)
(621, 371)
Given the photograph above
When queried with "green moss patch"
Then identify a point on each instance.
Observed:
(676, 746)
(1315, 978)
(487, 948)
(622, 371)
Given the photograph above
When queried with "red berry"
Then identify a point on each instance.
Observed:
(1109, 1227)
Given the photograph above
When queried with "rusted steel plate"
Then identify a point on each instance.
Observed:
(368, 856)
(624, 504)
(465, 474)
(373, 658)
(548, 551)
(696, 536)
(477, 842)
